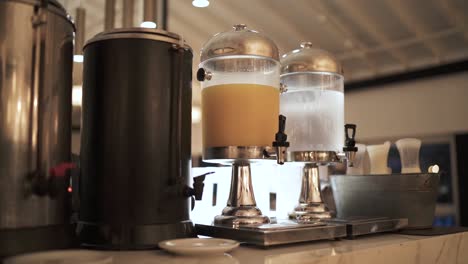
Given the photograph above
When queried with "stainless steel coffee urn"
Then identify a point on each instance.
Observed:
(136, 139)
(36, 51)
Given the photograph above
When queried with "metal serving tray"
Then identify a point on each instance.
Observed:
(280, 233)
(358, 226)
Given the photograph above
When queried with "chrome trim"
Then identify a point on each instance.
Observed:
(310, 59)
(320, 157)
(142, 33)
(239, 41)
(311, 205)
(229, 154)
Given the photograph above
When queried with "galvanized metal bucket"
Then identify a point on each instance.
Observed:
(411, 196)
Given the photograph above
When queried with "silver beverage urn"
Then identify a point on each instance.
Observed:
(36, 51)
(313, 100)
(136, 140)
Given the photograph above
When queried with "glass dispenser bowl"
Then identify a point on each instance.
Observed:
(313, 101)
(239, 74)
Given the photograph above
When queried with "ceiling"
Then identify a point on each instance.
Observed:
(371, 38)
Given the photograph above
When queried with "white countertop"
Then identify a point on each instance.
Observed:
(386, 248)
(383, 248)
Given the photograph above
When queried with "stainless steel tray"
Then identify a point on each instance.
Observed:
(358, 226)
(283, 232)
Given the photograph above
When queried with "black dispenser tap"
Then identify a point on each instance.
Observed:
(49, 184)
(196, 193)
(203, 75)
(350, 148)
(281, 143)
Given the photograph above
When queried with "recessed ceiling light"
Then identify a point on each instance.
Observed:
(78, 58)
(434, 169)
(200, 3)
(148, 24)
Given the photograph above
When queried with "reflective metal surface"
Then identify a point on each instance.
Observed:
(138, 32)
(310, 59)
(135, 142)
(311, 205)
(280, 233)
(36, 49)
(241, 206)
(359, 226)
(319, 157)
(239, 41)
(30, 239)
(411, 196)
(230, 154)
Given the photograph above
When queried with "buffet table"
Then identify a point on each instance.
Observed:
(384, 248)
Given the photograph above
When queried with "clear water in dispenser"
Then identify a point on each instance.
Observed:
(314, 107)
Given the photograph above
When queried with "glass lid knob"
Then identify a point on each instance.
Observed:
(306, 44)
(239, 27)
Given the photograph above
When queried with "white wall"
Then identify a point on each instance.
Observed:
(284, 180)
(424, 107)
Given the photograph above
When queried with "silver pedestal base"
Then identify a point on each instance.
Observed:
(311, 206)
(238, 216)
(241, 206)
(311, 212)
(283, 232)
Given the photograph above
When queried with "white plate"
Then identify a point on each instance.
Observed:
(198, 246)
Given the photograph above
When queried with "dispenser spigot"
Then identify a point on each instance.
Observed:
(281, 143)
(196, 193)
(203, 75)
(51, 184)
(350, 148)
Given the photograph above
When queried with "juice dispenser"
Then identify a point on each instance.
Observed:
(239, 74)
(313, 101)
(239, 71)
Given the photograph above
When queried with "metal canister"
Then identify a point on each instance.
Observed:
(412, 196)
(136, 139)
(36, 51)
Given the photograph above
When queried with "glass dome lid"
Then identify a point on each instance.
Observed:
(310, 59)
(239, 41)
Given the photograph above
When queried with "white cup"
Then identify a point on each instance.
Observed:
(378, 156)
(409, 154)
